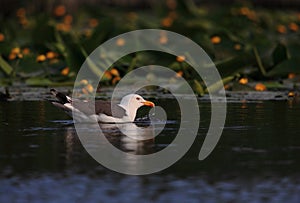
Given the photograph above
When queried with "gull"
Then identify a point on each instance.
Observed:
(101, 111)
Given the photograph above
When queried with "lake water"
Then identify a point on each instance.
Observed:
(257, 158)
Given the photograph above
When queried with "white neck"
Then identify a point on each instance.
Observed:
(131, 112)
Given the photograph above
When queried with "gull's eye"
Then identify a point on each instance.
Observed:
(137, 98)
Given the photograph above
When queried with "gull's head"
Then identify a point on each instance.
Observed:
(134, 101)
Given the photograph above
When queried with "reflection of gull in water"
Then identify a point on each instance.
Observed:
(127, 137)
(136, 140)
(121, 147)
(131, 130)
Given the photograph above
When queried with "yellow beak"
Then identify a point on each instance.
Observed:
(148, 103)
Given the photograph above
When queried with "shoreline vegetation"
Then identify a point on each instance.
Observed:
(255, 48)
(22, 93)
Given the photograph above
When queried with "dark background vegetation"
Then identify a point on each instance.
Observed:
(44, 43)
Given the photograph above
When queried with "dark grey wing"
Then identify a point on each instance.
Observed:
(110, 109)
(103, 107)
(86, 107)
(83, 106)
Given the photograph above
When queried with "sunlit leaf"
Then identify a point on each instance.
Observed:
(38, 81)
(5, 67)
(218, 85)
(198, 88)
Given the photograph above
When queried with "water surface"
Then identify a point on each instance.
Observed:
(256, 160)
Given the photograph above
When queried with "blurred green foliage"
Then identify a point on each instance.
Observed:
(46, 49)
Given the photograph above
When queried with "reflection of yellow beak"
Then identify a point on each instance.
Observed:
(148, 103)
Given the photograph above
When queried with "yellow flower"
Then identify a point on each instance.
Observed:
(291, 75)
(120, 42)
(163, 39)
(252, 16)
(84, 82)
(260, 87)
(107, 75)
(227, 87)
(281, 29)
(167, 22)
(88, 32)
(93, 22)
(50, 55)
(41, 58)
(15, 53)
(215, 40)
(23, 21)
(84, 91)
(294, 27)
(179, 74)
(65, 71)
(60, 10)
(21, 12)
(243, 81)
(180, 58)
(2, 37)
(244, 11)
(16, 50)
(237, 47)
(60, 26)
(26, 51)
(20, 56)
(291, 94)
(114, 72)
(12, 56)
(63, 27)
(68, 19)
(115, 80)
(89, 88)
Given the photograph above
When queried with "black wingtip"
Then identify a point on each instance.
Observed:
(60, 96)
(5, 96)
(53, 91)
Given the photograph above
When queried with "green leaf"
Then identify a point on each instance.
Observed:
(7, 69)
(218, 85)
(198, 88)
(233, 65)
(101, 33)
(294, 49)
(38, 81)
(288, 66)
(273, 85)
(43, 32)
(259, 62)
(279, 54)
